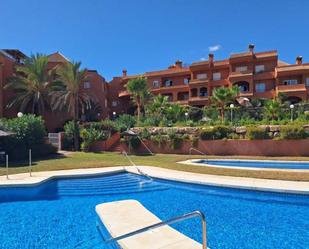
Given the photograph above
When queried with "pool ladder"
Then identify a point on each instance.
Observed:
(160, 224)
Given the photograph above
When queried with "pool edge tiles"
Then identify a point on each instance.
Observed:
(296, 187)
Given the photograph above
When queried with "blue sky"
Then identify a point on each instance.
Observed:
(145, 35)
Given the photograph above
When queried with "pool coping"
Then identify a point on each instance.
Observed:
(282, 186)
(195, 162)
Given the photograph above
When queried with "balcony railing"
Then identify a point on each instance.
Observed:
(291, 88)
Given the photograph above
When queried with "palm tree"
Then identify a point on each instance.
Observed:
(158, 106)
(139, 92)
(272, 109)
(70, 97)
(32, 83)
(222, 96)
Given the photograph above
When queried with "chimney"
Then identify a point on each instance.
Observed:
(299, 60)
(251, 48)
(211, 59)
(124, 73)
(178, 64)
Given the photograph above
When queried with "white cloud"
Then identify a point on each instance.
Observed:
(214, 48)
(203, 59)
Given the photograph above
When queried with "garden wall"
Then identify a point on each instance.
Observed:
(244, 147)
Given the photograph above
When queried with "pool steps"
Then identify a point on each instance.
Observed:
(132, 226)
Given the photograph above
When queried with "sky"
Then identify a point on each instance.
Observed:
(147, 35)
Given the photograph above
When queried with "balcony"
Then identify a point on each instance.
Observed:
(123, 93)
(291, 88)
(236, 76)
(199, 100)
(198, 81)
(245, 93)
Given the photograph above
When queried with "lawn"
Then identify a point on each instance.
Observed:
(110, 159)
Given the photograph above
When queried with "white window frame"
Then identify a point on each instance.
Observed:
(87, 85)
(216, 76)
(201, 76)
(241, 69)
(290, 82)
(259, 68)
(258, 90)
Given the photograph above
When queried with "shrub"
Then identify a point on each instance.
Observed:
(91, 135)
(145, 134)
(175, 139)
(29, 134)
(125, 122)
(194, 141)
(217, 132)
(293, 132)
(207, 133)
(257, 133)
(159, 139)
(134, 142)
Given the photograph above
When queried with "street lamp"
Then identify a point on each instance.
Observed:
(114, 115)
(292, 108)
(232, 107)
(20, 114)
(186, 114)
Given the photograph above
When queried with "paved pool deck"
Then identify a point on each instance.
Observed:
(298, 187)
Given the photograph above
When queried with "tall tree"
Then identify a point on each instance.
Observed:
(157, 107)
(31, 85)
(139, 92)
(222, 96)
(70, 97)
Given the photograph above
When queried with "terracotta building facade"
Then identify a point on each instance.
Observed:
(257, 74)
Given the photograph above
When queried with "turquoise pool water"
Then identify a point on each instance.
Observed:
(256, 164)
(61, 213)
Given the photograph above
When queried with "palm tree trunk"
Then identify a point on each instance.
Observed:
(75, 118)
(138, 113)
(222, 114)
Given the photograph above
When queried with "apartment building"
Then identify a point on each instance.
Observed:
(257, 74)
(95, 85)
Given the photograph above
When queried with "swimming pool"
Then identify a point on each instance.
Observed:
(254, 163)
(60, 213)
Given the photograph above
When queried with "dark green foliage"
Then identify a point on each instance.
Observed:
(175, 139)
(29, 134)
(195, 114)
(217, 132)
(293, 132)
(253, 133)
(125, 122)
(134, 142)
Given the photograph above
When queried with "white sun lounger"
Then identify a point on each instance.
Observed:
(123, 217)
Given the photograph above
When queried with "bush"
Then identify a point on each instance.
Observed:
(293, 132)
(159, 139)
(29, 134)
(125, 122)
(91, 135)
(217, 132)
(257, 133)
(175, 139)
(134, 142)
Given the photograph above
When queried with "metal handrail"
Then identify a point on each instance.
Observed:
(160, 224)
(133, 164)
(190, 151)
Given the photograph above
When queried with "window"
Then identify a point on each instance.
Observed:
(216, 76)
(168, 83)
(114, 103)
(290, 82)
(241, 69)
(259, 68)
(201, 76)
(87, 85)
(186, 81)
(203, 92)
(260, 87)
(155, 83)
(307, 81)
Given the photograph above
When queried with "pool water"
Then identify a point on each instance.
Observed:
(256, 164)
(61, 213)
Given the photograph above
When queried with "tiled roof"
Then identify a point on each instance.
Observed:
(294, 67)
(168, 71)
(57, 57)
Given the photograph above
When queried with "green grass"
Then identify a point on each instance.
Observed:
(80, 160)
